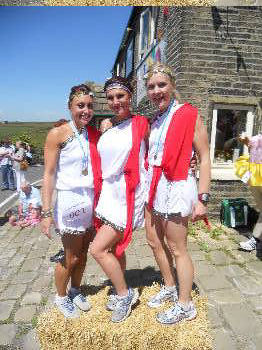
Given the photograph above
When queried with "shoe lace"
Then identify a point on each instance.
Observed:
(162, 293)
(174, 310)
(81, 297)
(67, 304)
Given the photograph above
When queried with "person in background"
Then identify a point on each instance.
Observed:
(18, 157)
(177, 132)
(28, 208)
(6, 165)
(251, 168)
(72, 168)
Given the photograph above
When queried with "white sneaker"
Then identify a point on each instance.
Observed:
(177, 313)
(79, 300)
(249, 245)
(112, 300)
(165, 293)
(65, 305)
(124, 305)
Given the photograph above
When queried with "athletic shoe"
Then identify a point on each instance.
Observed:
(165, 293)
(112, 300)
(79, 299)
(177, 313)
(248, 245)
(124, 305)
(65, 305)
(58, 257)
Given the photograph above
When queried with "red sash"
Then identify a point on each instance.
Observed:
(93, 137)
(132, 178)
(177, 149)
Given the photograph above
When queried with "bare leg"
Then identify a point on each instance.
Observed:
(77, 273)
(155, 239)
(105, 239)
(72, 247)
(176, 234)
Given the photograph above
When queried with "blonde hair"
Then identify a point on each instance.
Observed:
(161, 68)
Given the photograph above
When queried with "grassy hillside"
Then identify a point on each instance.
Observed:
(35, 132)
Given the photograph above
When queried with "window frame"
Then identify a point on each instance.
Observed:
(142, 53)
(225, 171)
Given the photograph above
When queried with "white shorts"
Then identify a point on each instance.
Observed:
(73, 212)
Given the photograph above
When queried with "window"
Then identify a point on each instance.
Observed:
(129, 58)
(147, 29)
(228, 122)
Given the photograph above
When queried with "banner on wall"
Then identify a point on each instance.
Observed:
(156, 55)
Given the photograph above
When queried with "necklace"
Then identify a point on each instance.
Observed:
(165, 115)
(85, 154)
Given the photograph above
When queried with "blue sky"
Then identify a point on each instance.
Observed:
(47, 50)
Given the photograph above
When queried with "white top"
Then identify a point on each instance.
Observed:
(3, 159)
(69, 166)
(114, 147)
(172, 197)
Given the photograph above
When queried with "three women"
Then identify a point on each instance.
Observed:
(168, 188)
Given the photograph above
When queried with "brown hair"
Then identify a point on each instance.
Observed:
(119, 80)
(82, 89)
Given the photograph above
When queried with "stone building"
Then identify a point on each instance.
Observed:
(216, 54)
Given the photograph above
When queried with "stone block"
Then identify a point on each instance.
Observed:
(243, 257)
(231, 270)
(32, 298)
(17, 260)
(13, 292)
(203, 268)
(198, 255)
(256, 303)
(25, 314)
(6, 308)
(30, 341)
(255, 267)
(241, 319)
(215, 282)
(7, 333)
(247, 285)
(223, 340)
(31, 265)
(226, 296)
(41, 283)
(220, 258)
(214, 318)
(24, 277)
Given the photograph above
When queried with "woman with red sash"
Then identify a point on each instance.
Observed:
(72, 168)
(120, 207)
(176, 133)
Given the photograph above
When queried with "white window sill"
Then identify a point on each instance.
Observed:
(223, 171)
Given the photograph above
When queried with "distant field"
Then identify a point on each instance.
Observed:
(36, 131)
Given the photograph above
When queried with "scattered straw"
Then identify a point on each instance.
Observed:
(94, 330)
(129, 2)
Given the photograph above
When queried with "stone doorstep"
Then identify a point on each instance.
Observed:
(7, 334)
(223, 340)
(247, 285)
(6, 308)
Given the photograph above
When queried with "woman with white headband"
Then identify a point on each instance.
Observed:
(176, 133)
(121, 204)
(72, 167)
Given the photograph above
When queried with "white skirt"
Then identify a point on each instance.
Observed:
(173, 198)
(112, 206)
(73, 212)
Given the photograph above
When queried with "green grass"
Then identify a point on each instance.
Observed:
(36, 132)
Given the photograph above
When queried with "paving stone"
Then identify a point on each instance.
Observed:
(203, 268)
(226, 296)
(6, 272)
(31, 265)
(32, 298)
(41, 283)
(24, 277)
(17, 260)
(256, 302)
(193, 246)
(26, 248)
(255, 267)
(25, 313)
(6, 308)
(223, 340)
(30, 341)
(242, 319)
(231, 270)
(214, 318)
(258, 341)
(7, 333)
(220, 258)
(243, 257)
(198, 255)
(13, 292)
(37, 253)
(247, 285)
(215, 282)
(10, 253)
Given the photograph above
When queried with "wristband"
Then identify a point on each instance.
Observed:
(48, 213)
